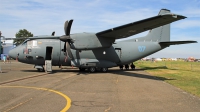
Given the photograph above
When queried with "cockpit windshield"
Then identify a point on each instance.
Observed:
(25, 42)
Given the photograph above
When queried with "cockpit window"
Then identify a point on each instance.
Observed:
(25, 42)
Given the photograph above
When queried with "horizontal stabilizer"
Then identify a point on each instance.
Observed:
(177, 42)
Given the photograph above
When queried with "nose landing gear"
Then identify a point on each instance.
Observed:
(40, 70)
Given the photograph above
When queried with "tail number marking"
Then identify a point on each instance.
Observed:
(141, 48)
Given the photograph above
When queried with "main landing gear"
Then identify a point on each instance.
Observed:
(82, 69)
(94, 69)
(127, 66)
(104, 69)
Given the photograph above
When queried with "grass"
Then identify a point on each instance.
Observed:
(184, 75)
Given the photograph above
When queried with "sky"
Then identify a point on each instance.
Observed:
(42, 17)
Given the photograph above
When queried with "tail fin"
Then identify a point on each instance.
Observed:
(159, 34)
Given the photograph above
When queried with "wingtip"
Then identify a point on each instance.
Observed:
(179, 16)
(192, 41)
(183, 17)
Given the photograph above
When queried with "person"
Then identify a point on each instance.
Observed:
(8, 59)
(4, 59)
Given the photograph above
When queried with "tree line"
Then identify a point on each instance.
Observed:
(22, 35)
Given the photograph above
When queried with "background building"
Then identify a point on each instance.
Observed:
(7, 45)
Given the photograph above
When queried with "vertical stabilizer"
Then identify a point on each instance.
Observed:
(159, 34)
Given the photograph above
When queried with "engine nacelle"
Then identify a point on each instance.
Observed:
(89, 41)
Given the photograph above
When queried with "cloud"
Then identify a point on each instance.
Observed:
(184, 38)
(187, 24)
(192, 20)
(126, 16)
(190, 12)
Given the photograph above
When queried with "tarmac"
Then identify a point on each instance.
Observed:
(23, 88)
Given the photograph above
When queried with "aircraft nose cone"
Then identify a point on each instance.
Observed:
(12, 54)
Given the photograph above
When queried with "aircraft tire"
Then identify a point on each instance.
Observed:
(104, 69)
(92, 69)
(82, 69)
(121, 67)
(127, 67)
(133, 67)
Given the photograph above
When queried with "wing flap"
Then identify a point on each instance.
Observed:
(139, 26)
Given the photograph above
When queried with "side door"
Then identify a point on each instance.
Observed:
(119, 53)
(53, 51)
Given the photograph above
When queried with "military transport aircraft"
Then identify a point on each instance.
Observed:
(99, 51)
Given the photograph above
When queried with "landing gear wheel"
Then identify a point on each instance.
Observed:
(92, 69)
(121, 67)
(104, 69)
(127, 67)
(132, 66)
(82, 69)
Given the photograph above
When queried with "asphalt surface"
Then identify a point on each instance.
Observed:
(22, 88)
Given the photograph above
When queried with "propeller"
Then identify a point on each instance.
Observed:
(66, 38)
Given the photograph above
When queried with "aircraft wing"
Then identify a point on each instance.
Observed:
(177, 42)
(139, 26)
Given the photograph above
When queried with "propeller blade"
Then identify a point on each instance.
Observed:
(66, 38)
(64, 47)
(67, 27)
(53, 33)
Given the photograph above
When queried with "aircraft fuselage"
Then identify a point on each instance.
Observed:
(37, 51)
